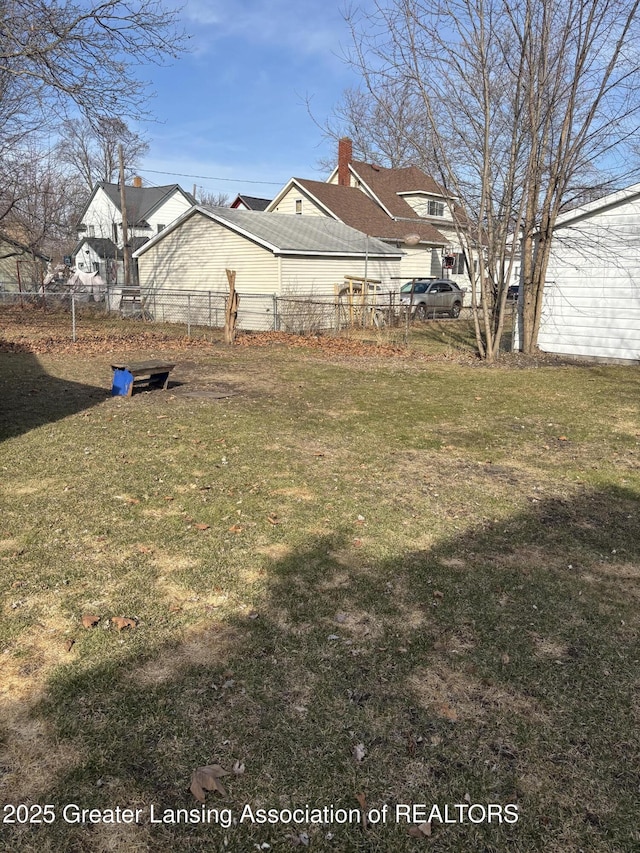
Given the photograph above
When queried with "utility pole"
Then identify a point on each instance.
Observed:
(126, 253)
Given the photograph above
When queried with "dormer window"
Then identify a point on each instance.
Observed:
(435, 208)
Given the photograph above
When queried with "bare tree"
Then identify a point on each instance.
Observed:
(382, 129)
(73, 60)
(44, 202)
(91, 150)
(69, 54)
(516, 103)
(214, 199)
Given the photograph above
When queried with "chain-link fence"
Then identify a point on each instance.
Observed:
(339, 312)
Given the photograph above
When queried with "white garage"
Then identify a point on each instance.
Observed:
(272, 255)
(591, 305)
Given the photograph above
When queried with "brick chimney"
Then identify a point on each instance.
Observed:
(345, 152)
(137, 181)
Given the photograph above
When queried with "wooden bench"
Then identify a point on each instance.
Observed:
(148, 374)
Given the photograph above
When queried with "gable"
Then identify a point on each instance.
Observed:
(356, 209)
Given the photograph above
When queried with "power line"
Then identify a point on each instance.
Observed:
(210, 177)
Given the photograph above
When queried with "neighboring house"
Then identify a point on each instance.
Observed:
(404, 207)
(249, 202)
(21, 268)
(591, 301)
(271, 254)
(100, 254)
(149, 210)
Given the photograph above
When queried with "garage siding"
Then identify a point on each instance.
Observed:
(320, 275)
(591, 305)
(196, 255)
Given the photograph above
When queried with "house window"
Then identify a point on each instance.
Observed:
(436, 208)
(299, 206)
(115, 232)
(92, 231)
(459, 267)
(160, 228)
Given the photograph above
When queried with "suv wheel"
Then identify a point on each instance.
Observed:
(455, 309)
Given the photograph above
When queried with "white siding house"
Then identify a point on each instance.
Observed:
(149, 211)
(591, 303)
(272, 255)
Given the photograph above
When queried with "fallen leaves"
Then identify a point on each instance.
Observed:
(207, 778)
(422, 830)
(90, 620)
(121, 622)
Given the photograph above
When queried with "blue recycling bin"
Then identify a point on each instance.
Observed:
(122, 383)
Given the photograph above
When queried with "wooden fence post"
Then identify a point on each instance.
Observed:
(231, 317)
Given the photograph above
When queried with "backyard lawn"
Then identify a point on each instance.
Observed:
(367, 586)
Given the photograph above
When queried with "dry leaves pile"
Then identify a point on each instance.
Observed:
(330, 345)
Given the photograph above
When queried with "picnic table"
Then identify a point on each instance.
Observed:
(147, 374)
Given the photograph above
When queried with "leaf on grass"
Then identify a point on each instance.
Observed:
(89, 620)
(363, 807)
(423, 830)
(122, 622)
(69, 645)
(238, 768)
(359, 752)
(207, 779)
(505, 659)
(145, 549)
(357, 543)
(272, 518)
(447, 712)
(236, 528)
(438, 594)
(201, 526)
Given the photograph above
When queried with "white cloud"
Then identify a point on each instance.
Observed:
(305, 26)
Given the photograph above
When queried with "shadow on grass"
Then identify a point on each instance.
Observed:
(31, 397)
(499, 666)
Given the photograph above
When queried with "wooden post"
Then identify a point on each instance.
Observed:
(231, 317)
(126, 254)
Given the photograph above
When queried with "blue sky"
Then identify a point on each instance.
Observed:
(234, 107)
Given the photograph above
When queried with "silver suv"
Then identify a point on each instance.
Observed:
(426, 297)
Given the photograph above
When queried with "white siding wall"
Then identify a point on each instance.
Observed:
(320, 275)
(196, 255)
(288, 204)
(420, 203)
(591, 305)
(101, 214)
(166, 213)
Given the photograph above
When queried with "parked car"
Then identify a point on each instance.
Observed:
(431, 297)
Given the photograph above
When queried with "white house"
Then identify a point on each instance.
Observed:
(272, 256)
(404, 207)
(149, 210)
(591, 302)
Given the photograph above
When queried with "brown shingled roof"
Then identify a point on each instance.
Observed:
(387, 183)
(351, 206)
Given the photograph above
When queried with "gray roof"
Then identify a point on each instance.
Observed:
(102, 246)
(286, 234)
(141, 201)
(252, 202)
